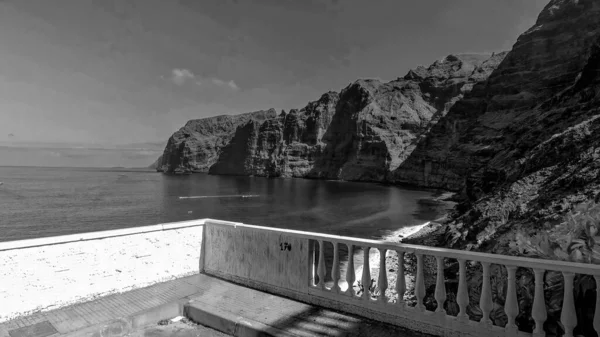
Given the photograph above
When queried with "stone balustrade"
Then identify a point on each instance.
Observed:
(309, 263)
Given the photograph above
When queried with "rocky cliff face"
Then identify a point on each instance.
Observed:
(362, 133)
(197, 145)
(525, 145)
(286, 146)
(377, 125)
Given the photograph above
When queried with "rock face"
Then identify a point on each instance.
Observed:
(196, 146)
(360, 134)
(525, 145)
(286, 146)
(377, 125)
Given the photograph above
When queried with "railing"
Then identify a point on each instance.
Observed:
(380, 306)
(511, 308)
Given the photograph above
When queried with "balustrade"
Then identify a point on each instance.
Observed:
(486, 300)
(485, 285)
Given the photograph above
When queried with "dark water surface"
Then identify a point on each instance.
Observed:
(40, 202)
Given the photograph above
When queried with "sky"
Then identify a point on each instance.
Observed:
(134, 71)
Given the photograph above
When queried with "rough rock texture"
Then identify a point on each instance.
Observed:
(377, 125)
(360, 134)
(196, 146)
(524, 146)
(285, 146)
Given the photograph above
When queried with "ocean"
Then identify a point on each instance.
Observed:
(40, 202)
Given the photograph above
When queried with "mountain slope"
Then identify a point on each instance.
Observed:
(524, 147)
(359, 134)
(196, 146)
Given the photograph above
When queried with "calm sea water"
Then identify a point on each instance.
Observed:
(40, 202)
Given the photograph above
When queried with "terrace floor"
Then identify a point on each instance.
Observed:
(209, 301)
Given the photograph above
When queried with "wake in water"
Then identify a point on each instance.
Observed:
(221, 196)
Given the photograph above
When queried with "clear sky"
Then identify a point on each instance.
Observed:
(129, 71)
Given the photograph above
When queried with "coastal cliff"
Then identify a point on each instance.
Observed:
(516, 134)
(196, 146)
(523, 147)
(286, 146)
(361, 134)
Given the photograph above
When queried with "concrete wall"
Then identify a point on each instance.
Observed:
(257, 256)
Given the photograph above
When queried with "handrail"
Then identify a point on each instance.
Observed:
(516, 261)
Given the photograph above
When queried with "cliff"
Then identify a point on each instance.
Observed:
(286, 146)
(523, 147)
(377, 125)
(197, 145)
(361, 134)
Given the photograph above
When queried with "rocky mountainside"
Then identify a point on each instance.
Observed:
(196, 146)
(523, 147)
(285, 146)
(363, 133)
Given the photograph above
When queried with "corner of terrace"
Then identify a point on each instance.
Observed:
(212, 266)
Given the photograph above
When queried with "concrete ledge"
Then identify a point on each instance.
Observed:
(54, 240)
(229, 323)
(126, 325)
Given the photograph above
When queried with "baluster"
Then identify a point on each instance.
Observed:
(313, 264)
(597, 312)
(400, 279)
(440, 287)
(462, 297)
(366, 275)
(350, 274)
(321, 268)
(382, 281)
(568, 316)
(420, 283)
(511, 306)
(485, 302)
(538, 311)
(335, 268)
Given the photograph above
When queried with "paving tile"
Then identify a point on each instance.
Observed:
(42, 329)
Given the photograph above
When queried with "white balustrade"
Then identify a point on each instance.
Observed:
(350, 276)
(511, 307)
(366, 275)
(567, 316)
(440, 287)
(335, 268)
(468, 263)
(462, 296)
(382, 282)
(400, 279)
(321, 267)
(485, 302)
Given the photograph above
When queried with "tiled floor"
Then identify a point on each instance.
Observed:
(37, 278)
(227, 303)
(104, 309)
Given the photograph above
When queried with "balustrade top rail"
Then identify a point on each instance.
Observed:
(507, 260)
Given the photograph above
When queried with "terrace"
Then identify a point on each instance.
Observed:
(272, 280)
